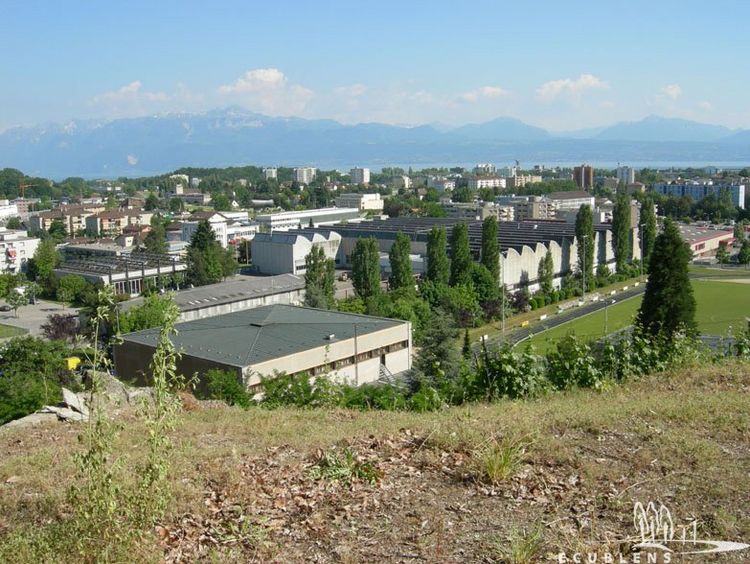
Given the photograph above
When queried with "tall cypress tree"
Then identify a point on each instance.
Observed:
(460, 255)
(546, 273)
(438, 265)
(491, 247)
(319, 279)
(204, 257)
(648, 230)
(401, 273)
(366, 268)
(585, 230)
(621, 232)
(668, 305)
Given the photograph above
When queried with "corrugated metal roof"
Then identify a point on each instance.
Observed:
(257, 335)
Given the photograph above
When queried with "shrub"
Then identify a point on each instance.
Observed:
(226, 386)
(572, 364)
(299, 391)
(502, 373)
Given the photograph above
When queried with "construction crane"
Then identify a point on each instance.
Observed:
(22, 189)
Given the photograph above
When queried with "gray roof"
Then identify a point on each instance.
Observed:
(236, 289)
(257, 335)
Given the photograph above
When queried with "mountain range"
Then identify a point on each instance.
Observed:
(234, 136)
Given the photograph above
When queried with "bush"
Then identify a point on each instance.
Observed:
(571, 364)
(502, 373)
(226, 386)
(285, 390)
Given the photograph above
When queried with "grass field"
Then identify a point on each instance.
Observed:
(721, 306)
(245, 490)
(10, 331)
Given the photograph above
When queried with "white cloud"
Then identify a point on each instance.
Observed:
(132, 160)
(132, 92)
(672, 91)
(706, 106)
(351, 91)
(473, 96)
(554, 88)
(268, 91)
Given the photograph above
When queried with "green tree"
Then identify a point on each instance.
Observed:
(585, 240)
(72, 288)
(176, 205)
(546, 273)
(366, 268)
(320, 279)
(152, 202)
(41, 266)
(648, 229)
(401, 273)
(460, 255)
(16, 300)
(722, 254)
(668, 305)
(156, 239)
(491, 248)
(466, 348)
(438, 265)
(621, 232)
(57, 231)
(221, 202)
(204, 257)
(14, 223)
(145, 316)
(743, 257)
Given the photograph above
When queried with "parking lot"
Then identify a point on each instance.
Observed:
(33, 316)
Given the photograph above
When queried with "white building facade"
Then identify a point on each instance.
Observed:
(16, 248)
(305, 174)
(360, 175)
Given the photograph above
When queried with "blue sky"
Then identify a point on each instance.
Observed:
(559, 65)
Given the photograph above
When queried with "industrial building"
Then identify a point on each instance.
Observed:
(269, 340)
(306, 218)
(236, 294)
(285, 251)
(705, 240)
(522, 243)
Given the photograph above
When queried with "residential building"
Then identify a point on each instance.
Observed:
(705, 240)
(16, 248)
(25, 205)
(401, 182)
(697, 190)
(584, 176)
(270, 340)
(478, 211)
(625, 175)
(528, 207)
(305, 174)
(8, 209)
(635, 188)
(363, 202)
(72, 217)
(441, 183)
(485, 169)
(270, 173)
(570, 201)
(284, 252)
(521, 180)
(111, 223)
(236, 294)
(486, 182)
(360, 175)
(300, 219)
(193, 197)
(228, 227)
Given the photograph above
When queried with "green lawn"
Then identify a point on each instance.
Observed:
(716, 272)
(721, 305)
(10, 331)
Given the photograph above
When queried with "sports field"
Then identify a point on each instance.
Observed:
(721, 306)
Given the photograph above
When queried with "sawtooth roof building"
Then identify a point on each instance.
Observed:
(274, 339)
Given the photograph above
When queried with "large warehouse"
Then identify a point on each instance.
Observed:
(278, 339)
(523, 243)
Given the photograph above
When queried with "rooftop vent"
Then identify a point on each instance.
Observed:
(330, 337)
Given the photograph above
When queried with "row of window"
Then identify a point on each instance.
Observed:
(361, 357)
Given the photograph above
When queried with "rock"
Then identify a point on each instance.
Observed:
(31, 420)
(64, 413)
(189, 403)
(137, 396)
(115, 391)
(75, 401)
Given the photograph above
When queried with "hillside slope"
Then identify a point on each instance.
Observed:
(254, 485)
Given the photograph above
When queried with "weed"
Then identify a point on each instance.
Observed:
(499, 460)
(525, 546)
(344, 468)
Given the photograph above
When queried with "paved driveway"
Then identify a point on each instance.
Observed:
(32, 317)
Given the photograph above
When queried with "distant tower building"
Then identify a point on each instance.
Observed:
(625, 175)
(584, 176)
(360, 175)
(485, 169)
(305, 174)
(270, 172)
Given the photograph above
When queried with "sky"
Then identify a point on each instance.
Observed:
(558, 65)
